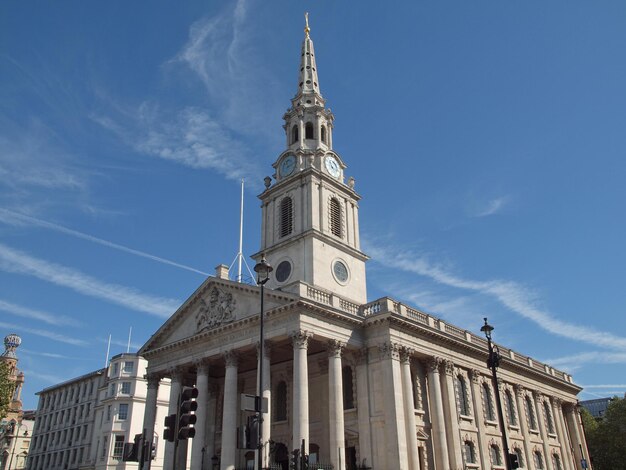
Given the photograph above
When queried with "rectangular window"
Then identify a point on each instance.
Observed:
(125, 388)
(118, 447)
(116, 369)
(123, 411)
(105, 444)
(128, 366)
(109, 413)
(112, 390)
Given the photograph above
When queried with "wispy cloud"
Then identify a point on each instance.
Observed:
(15, 261)
(491, 207)
(47, 378)
(512, 295)
(44, 334)
(50, 318)
(591, 357)
(12, 217)
(30, 352)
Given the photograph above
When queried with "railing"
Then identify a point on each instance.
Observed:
(318, 295)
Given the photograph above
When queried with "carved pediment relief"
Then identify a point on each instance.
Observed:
(216, 309)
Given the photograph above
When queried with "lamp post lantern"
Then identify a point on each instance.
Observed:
(263, 270)
(493, 362)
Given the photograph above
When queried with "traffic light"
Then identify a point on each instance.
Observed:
(131, 450)
(188, 404)
(169, 433)
(295, 459)
(514, 461)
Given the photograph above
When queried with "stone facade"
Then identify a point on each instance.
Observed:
(374, 384)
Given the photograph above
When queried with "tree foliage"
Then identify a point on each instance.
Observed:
(606, 439)
(6, 388)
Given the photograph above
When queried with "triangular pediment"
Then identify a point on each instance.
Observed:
(215, 304)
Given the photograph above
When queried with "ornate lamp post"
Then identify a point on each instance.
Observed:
(263, 270)
(493, 362)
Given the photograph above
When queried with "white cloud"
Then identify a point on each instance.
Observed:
(15, 218)
(50, 318)
(592, 357)
(44, 334)
(15, 261)
(512, 295)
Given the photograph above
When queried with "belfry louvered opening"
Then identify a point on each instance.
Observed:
(335, 217)
(286, 217)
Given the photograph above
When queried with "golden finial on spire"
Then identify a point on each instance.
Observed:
(306, 28)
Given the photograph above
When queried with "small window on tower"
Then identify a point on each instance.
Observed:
(335, 217)
(324, 134)
(286, 217)
(308, 131)
(294, 134)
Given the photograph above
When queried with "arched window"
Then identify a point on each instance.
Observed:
(556, 462)
(538, 460)
(348, 388)
(294, 134)
(461, 387)
(532, 418)
(470, 455)
(308, 131)
(517, 451)
(496, 458)
(489, 410)
(549, 420)
(286, 216)
(510, 407)
(324, 134)
(280, 402)
(335, 217)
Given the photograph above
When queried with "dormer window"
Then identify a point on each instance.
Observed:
(286, 217)
(308, 131)
(294, 134)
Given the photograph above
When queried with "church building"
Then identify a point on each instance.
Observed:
(363, 384)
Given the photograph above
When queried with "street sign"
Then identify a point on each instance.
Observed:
(253, 403)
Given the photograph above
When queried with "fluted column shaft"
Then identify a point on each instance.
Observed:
(150, 413)
(578, 442)
(175, 389)
(523, 422)
(438, 422)
(300, 389)
(452, 418)
(229, 416)
(409, 409)
(557, 413)
(395, 426)
(335, 406)
(363, 408)
(199, 441)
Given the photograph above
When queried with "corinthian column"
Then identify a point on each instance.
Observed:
(557, 413)
(149, 417)
(523, 422)
(543, 428)
(394, 407)
(363, 407)
(300, 388)
(479, 416)
(199, 441)
(229, 412)
(175, 388)
(409, 408)
(335, 405)
(452, 418)
(438, 420)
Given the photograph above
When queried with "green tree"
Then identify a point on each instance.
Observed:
(6, 389)
(607, 438)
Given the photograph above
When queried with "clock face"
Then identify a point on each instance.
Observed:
(287, 165)
(332, 166)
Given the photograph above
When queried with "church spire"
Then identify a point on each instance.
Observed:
(308, 83)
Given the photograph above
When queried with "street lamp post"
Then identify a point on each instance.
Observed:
(493, 362)
(263, 270)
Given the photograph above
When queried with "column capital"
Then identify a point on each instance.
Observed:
(434, 363)
(448, 367)
(153, 379)
(475, 375)
(569, 406)
(389, 350)
(537, 395)
(175, 374)
(335, 347)
(406, 354)
(267, 348)
(519, 390)
(300, 339)
(202, 366)
(557, 401)
(231, 358)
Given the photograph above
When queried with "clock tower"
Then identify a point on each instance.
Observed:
(310, 219)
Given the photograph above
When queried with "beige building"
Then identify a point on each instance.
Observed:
(373, 384)
(83, 423)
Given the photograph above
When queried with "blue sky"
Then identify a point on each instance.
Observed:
(486, 138)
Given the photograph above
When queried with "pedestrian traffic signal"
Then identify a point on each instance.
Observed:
(169, 433)
(188, 405)
(295, 459)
